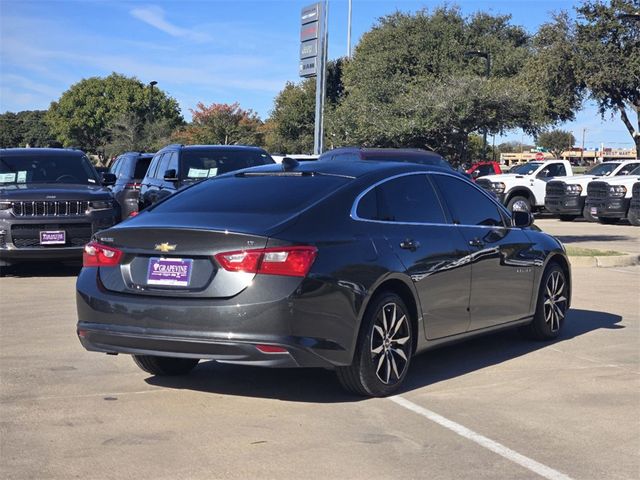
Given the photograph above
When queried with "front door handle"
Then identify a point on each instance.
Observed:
(476, 242)
(410, 244)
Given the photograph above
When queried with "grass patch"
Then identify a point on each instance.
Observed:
(590, 252)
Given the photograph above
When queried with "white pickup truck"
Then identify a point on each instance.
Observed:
(524, 187)
(609, 200)
(566, 196)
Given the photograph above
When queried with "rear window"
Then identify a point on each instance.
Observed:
(263, 194)
(142, 165)
(203, 163)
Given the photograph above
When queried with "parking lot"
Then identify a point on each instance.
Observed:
(497, 407)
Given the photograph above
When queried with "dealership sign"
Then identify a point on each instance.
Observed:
(311, 35)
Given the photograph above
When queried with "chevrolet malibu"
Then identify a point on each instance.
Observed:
(354, 266)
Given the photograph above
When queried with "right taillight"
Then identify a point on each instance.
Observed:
(288, 261)
(97, 255)
(132, 185)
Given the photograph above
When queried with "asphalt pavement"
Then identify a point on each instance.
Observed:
(496, 407)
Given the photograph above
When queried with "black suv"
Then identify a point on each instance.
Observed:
(408, 155)
(51, 202)
(129, 169)
(176, 166)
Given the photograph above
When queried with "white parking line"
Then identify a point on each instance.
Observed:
(515, 457)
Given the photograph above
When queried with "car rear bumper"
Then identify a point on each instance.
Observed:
(609, 207)
(565, 204)
(317, 328)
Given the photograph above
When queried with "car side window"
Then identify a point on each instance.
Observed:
(173, 162)
(162, 167)
(467, 204)
(151, 173)
(485, 170)
(409, 199)
(554, 170)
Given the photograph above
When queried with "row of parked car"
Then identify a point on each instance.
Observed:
(52, 201)
(607, 193)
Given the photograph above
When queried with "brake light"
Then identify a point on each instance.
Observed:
(289, 261)
(133, 185)
(134, 214)
(97, 255)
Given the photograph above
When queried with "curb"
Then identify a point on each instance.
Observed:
(610, 261)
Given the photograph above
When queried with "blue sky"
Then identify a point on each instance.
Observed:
(208, 50)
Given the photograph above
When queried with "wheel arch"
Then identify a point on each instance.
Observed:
(520, 191)
(406, 292)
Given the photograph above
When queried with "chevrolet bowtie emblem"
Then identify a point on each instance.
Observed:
(165, 247)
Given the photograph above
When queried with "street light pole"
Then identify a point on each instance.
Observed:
(487, 72)
(152, 84)
(349, 32)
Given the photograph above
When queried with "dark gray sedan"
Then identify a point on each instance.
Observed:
(355, 266)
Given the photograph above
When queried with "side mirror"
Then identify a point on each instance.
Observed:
(108, 179)
(475, 173)
(170, 175)
(521, 219)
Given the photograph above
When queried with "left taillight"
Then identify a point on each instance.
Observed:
(97, 255)
(288, 261)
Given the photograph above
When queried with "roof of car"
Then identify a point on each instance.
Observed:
(355, 168)
(384, 152)
(212, 147)
(40, 152)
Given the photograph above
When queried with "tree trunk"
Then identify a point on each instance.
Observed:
(635, 133)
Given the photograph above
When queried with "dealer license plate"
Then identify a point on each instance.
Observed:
(175, 272)
(594, 210)
(53, 237)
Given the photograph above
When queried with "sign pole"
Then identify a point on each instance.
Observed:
(313, 61)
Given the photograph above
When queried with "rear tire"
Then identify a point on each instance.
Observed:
(165, 365)
(384, 349)
(633, 218)
(519, 203)
(551, 306)
(586, 213)
(567, 218)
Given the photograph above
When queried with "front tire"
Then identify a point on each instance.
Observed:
(165, 366)
(633, 218)
(608, 220)
(567, 218)
(551, 306)
(384, 349)
(519, 203)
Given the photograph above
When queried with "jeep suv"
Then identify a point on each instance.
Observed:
(51, 202)
(129, 169)
(176, 166)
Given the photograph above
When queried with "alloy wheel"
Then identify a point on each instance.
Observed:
(390, 343)
(555, 301)
(520, 206)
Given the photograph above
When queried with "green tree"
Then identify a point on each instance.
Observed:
(556, 141)
(84, 115)
(26, 128)
(222, 124)
(290, 126)
(410, 83)
(130, 132)
(607, 37)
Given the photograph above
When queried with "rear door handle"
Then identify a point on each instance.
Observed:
(476, 242)
(410, 244)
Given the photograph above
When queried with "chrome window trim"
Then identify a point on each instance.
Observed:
(356, 202)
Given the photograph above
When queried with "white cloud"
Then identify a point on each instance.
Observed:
(155, 17)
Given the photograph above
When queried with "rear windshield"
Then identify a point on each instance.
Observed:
(419, 159)
(71, 169)
(263, 194)
(202, 163)
(142, 165)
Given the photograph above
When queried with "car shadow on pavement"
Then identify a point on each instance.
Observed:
(321, 386)
(41, 269)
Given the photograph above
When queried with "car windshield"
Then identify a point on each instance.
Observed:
(24, 169)
(197, 164)
(526, 169)
(603, 169)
